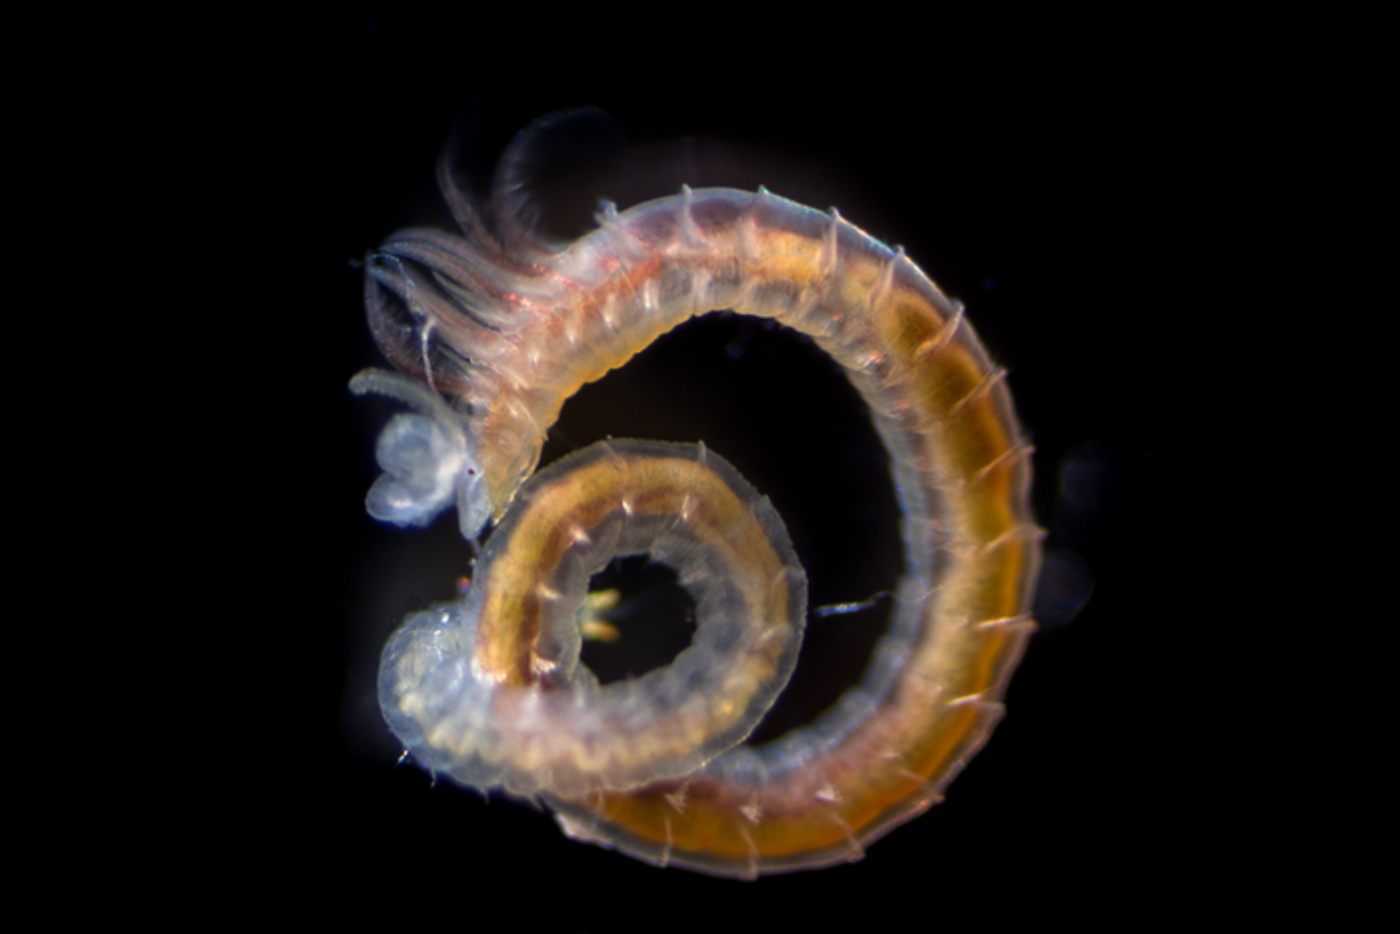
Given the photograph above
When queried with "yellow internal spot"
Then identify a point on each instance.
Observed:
(591, 624)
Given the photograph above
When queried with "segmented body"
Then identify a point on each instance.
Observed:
(508, 336)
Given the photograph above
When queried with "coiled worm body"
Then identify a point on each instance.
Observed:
(499, 331)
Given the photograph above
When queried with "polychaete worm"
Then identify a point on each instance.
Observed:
(493, 331)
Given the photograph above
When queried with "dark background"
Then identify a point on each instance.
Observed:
(1048, 191)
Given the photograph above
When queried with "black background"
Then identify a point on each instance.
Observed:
(1046, 188)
